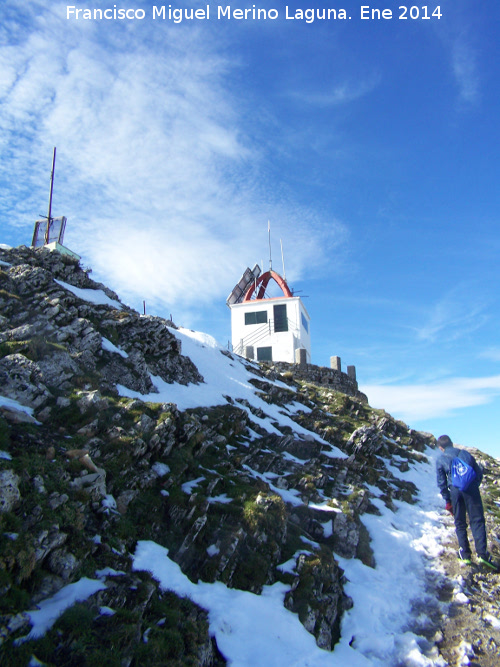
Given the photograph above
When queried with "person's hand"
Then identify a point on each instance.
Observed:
(449, 507)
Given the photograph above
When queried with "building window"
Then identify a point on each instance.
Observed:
(264, 354)
(280, 318)
(257, 317)
(305, 323)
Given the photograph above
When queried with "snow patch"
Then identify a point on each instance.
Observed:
(96, 296)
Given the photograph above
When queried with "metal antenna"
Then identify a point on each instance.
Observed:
(269, 234)
(283, 260)
(49, 216)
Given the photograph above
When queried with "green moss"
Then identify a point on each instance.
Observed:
(20, 558)
(491, 497)
(349, 502)
(170, 632)
(77, 619)
(69, 416)
(28, 464)
(268, 517)
(12, 597)
(9, 523)
(111, 333)
(167, 645)
(154, 408)
(177, 639)
(144, 517)
(180, 461)
(19, 656)
(84, 640)
(12, 347)
(4, 434)
(252, 571)
(8, 295)
(318, 572)
(39, 347)
(116, 464)
(195, 439)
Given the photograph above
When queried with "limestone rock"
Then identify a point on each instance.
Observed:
(62, 563)
(10, 495)
(124, 500)
(14, 623)
(94, 484)
(346, 532)
(88, 400)
(21, 380)
(48, 540)
(366, 440)
(317, 595)
(58, 369)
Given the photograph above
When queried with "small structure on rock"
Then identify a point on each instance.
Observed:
(49, 232)
(268, 328)
(276, 330)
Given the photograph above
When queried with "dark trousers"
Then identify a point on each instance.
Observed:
(469, 503)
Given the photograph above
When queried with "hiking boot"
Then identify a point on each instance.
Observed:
(488, 561)
(465, 557)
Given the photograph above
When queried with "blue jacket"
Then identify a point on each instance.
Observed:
(443, 469)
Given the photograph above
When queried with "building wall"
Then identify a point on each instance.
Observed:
(254, 338)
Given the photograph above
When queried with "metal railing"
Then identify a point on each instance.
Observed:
(260, 334)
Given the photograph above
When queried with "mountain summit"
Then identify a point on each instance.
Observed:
(166, 502)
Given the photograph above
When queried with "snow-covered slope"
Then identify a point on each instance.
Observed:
(280, 522)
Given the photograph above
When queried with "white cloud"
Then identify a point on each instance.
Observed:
(155, 171)
(414, 402)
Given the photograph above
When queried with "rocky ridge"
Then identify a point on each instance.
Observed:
(86, 473)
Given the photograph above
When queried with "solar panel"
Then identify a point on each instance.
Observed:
(48, 232)
(238, 292)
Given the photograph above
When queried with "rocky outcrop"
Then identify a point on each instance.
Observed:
(21, 380)
(317, 596)
(59, 330)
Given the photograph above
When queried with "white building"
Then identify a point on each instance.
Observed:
(268, 329)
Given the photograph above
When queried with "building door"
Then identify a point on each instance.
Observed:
(264, 354)
(280, 318)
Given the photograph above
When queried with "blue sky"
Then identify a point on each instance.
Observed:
(370, 145)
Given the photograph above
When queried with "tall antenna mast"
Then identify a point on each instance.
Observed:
(49, 215)
(269, 234)
(283, 260)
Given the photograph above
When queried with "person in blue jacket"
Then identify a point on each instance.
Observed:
(463, 503)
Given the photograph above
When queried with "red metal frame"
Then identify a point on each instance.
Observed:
(262, 282)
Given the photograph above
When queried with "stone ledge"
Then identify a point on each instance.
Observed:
(322, 375)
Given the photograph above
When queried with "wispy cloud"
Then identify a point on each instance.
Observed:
(465, 70)
(457, 34)
(160, 182)
(454, 316)
(491, 354)
(414, 402)
(342, 93)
